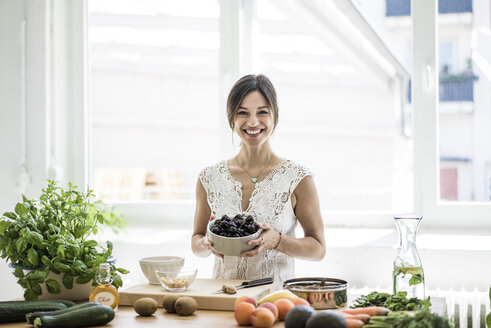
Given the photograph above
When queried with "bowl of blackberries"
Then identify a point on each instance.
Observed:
(230, 235)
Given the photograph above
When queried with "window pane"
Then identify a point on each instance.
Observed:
(154, 93)
(465, 105)
(343, 111)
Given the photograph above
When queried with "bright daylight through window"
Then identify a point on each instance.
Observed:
(342, 74)
(155, 99)
(153, 96)
(464, 36)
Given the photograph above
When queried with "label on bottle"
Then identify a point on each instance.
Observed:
(105, 298)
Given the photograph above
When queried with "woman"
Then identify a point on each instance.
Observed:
(276, 192)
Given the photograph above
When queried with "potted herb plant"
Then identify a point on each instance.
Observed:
(49, 241)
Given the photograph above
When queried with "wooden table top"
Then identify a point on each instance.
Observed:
(126, 317)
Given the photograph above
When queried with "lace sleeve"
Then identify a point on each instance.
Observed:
(300, 172)
(204, 177)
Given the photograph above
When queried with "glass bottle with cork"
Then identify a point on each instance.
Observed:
(105, 293)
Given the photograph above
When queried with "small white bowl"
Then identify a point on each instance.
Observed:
(164, 263)
(231, 246)
(176, 281)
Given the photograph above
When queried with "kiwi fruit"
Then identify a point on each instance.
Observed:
(186, 305)
(145, 306)
(169, 303)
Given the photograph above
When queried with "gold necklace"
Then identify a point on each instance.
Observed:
(254, 178)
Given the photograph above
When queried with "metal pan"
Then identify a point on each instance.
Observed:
(321, 293)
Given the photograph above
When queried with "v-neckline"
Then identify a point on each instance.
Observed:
(256, 185)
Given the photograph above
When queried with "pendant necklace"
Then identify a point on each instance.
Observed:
(255, 178)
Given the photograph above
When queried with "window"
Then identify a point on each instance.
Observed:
(439, 129)
(341, 103)
(464, 116)
(154, 92)
(361, 150)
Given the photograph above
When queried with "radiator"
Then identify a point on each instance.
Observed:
(467, 308)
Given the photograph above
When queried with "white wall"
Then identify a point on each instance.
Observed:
(11, 135)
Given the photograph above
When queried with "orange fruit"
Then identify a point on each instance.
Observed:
(284, 305)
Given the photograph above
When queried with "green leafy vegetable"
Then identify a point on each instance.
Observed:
(422, 319)
(488, 316)
(416, 279)
(396, 302)
(54, 233)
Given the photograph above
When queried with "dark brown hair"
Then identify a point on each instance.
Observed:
(246, 85)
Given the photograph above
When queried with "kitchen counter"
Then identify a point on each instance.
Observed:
(126, 317)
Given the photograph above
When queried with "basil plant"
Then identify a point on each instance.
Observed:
(53, 233)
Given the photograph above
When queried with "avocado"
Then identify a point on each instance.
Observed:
(297, 317)
(328, 318)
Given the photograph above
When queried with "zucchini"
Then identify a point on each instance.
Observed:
(15, 311)
(81, 317)
(33, 315)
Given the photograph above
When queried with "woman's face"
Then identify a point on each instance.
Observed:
(254, 120)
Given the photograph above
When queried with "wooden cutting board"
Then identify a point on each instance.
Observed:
(202, 290)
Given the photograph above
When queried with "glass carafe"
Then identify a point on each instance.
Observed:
(408, 272)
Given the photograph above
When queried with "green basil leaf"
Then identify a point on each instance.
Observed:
(79, 267)
(60, 252)
(18, 272)
(46, 261)
(73, 251)
(109, 247)
(123, 271)
(61, 267)
(35, 238)
(23, 282)
(36, 288)
(30, 295)
(488, 320)
(37, 276)
(84, 279)
(90, 243)
(32, 255)
(10, 215)
(21, 244)
(68, 281)
(117, 282)
(20, 209)
(53, 286)
(3, 227)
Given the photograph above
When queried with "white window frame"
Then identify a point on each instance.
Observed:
(425, 90)
(234, 58)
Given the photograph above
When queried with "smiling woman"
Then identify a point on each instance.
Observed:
(277, 193)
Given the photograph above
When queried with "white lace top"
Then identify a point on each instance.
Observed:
(270, 202)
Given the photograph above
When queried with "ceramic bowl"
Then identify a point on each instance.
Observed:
(176, 281)
(231, 246)
(165, 263)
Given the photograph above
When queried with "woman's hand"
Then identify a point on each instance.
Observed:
(207, 242)
(269, 239)
(200, 243)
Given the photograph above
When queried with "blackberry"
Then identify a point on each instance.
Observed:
(238, 226)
